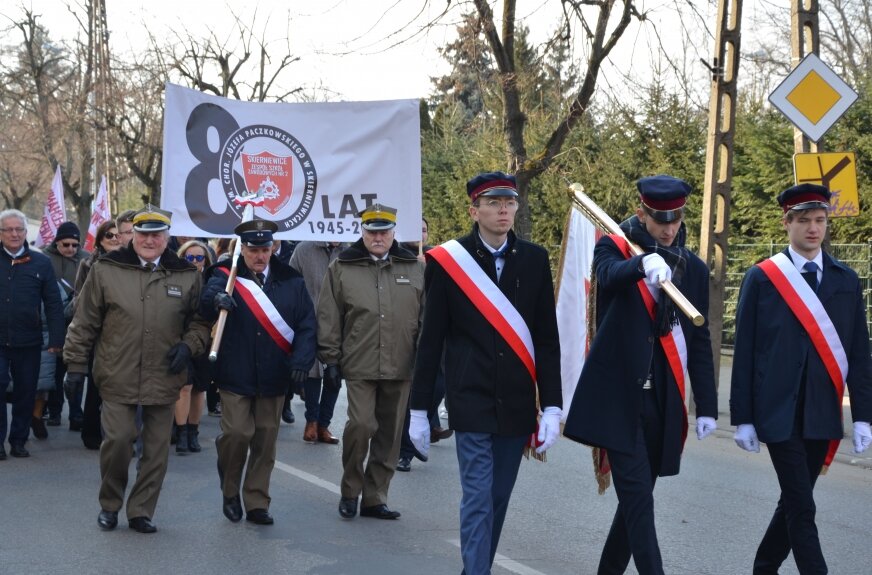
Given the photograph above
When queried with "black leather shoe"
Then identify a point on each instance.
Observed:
(379, 512)
(53, 421)
(288, 415)
(92, 443)
(75, 425)
(348, 507)
(18, 451)
(259, 516)
(404, 464)
(142, 525)
(107, 520)
(232, 508)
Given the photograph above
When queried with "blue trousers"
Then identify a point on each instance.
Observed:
(320, 402)
(22, 364)
(488, 469)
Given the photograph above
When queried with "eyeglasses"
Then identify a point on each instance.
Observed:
(497, 204)
(69, 245)
(13, 230)
(192, 258)
(110, 235)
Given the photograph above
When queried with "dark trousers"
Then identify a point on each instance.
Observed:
(488, 469)
(406, 447)
(91, 430)
(797, 462)
(22, 364)
(634, 475)
(320, 402)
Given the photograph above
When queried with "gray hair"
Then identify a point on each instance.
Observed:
(6, 214)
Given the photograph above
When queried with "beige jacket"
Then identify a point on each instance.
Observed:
(132, 317)
(369, 313)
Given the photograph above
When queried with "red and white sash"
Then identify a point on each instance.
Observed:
(264, 312)
(487, 298)
(810, 312)
(674, 343)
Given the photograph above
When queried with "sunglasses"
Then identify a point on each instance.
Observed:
(191, 258)
(69, 245)
(111, 236)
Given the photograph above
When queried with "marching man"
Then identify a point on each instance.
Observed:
(801, 336)
(490, 306)
(270, 332)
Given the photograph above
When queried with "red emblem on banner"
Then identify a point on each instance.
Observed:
(271, 177)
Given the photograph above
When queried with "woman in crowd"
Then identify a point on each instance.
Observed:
(107, 240)
(192, 397)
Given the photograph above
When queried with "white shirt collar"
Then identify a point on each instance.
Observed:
(16, 254)
(492, 250)
(800, 261)
(142, 262)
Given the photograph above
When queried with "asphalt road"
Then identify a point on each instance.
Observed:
(709, 519)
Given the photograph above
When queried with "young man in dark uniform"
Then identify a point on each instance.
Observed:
(630, 399)
(801, 336)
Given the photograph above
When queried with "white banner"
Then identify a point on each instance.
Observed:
(99, 214)
(316, 165)
(54, 213)
(572, 292)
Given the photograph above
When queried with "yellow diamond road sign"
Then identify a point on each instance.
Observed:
(835, 170)
(813, 97)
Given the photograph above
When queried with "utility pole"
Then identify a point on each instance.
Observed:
(103, 101)
(805, 38)
(719, 164)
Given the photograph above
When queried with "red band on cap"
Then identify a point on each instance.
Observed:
(489, 186)
(802, 199)
(664, 205)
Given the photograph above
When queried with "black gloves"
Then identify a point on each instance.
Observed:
(179, 355)
(223, 300)
(332, 377)
(299, 376)
(73, 382)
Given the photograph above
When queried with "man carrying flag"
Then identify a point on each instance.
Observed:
(630, 398)
(270, 335)
(801, 336)
(490, 307)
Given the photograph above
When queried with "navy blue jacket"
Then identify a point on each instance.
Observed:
(487, 387)
(772, 348)
(607, 402)
(27, 283)
(250, 362)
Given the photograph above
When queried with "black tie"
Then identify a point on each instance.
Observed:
(810, 275)
(149, 266)
(260, 278)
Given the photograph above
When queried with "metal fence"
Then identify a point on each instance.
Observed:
(742, 256)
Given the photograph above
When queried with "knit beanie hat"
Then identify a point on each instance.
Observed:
(67, 230)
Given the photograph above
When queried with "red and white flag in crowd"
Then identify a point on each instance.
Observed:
(573, 288)
(99, 214)
(55, 212)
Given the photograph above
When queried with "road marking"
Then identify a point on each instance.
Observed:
(501, 560)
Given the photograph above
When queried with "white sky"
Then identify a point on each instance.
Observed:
(372, 49)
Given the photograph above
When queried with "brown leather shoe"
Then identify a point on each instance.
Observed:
(324, 436)
(438, 433)
(310, 434)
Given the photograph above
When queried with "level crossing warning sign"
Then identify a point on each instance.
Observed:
(835, 170)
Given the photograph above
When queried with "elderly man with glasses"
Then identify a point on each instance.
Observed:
(27, 283)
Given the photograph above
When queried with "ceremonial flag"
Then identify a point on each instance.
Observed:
(99, 214)
(308, 167)
(55, 212)
(576, 256)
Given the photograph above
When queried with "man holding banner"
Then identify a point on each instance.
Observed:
(801, 336)
(269, 336)
(490, 306)
(630, 400)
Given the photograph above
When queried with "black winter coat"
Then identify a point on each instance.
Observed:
(488, 389)
(26, 283)
(249, 362)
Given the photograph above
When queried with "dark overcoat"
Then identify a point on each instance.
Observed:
(249, 362)
(772, 347)
(488, 389)
(26, 283)
(607, 403)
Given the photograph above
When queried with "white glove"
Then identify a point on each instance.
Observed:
(746, 437)
(656, 270)
(862, 436)
(705, 426)
(419, 431)
(549, 428)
